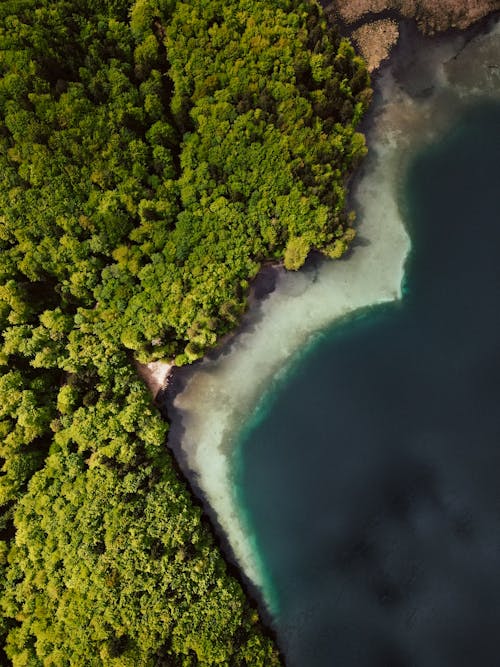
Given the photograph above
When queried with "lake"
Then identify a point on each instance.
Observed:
(370, 474)
(342, 441)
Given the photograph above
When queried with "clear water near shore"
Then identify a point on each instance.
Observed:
(372, 481)
(417, 102)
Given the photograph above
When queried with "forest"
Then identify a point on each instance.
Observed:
(152, 155)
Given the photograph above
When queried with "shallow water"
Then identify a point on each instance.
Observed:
(421, 95)
(370, 476)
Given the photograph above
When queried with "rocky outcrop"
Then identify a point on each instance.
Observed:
(373, 23)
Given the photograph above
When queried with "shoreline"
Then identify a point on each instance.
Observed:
(208, 403)
(430, 18)
(295, 310)
(162, 375)
(377, 32)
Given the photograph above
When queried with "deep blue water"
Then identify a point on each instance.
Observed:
(373, 479)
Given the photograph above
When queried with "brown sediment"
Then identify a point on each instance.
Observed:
(372, 24)
(375, 41)
(431, 15)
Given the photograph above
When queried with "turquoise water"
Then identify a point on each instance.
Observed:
(370, 474)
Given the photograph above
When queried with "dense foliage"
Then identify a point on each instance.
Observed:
(111, 563)
(152, 155)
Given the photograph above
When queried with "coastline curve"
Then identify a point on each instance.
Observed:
(418, 95)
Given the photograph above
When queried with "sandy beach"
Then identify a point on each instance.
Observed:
(155, 374)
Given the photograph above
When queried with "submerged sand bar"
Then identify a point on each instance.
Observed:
(220, 395)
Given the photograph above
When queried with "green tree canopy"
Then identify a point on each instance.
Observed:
(152, 155)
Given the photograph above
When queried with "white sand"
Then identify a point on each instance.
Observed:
(220, 396)
(155, 375)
